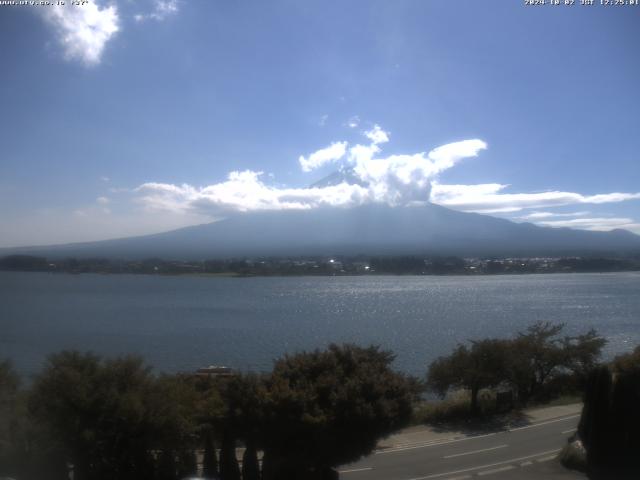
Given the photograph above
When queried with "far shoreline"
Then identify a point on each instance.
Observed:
(307, 275)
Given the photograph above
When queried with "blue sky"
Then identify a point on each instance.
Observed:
(123, 118)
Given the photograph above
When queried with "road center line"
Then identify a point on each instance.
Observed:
(480, 467)
(475, 451)
(434, 444)
(496, 470)
(569, 431)
(364, 469)
(543, 423)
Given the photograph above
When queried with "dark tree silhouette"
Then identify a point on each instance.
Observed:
(209, 459)
(610, 419)
(187, 463)
(250, 465)
(166, 465)
(229, 468)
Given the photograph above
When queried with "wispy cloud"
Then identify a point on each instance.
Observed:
(488, 198)
(162, 9)
(83, 30)
(353, 122)
(539, 215)
(332, 153)
(596, 224)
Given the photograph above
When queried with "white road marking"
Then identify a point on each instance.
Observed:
(480, 467)
(464, 477)
(434, 443)
(545, 459)
(496, 470)
(526, 464)
(475, 451)
(543, 423)
(569, 431)
(364, 469)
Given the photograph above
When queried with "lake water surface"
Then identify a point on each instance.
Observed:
(180, 323)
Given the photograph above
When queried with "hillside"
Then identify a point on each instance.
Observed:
(371, 229)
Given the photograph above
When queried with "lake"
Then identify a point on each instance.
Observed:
(180, 323)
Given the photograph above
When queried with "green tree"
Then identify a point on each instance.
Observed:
(63, 400)
(482, 365)
(326, 408)
(582, 352)
(109, 416)
(539, 354)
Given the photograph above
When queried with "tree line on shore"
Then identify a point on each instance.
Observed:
(108, 418)
(313, 265)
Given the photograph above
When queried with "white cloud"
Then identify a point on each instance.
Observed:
(323, 120)
(488, 198)
(83, 31)
(395, 180)
(161, 10)
(596, 224)
(401, 179)
(332, 153)
(103, 200)
(377, 135)
(245, 191)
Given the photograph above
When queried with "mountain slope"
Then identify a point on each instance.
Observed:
(371, 229)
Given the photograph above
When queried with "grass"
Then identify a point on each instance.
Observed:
(564, 399)
(456, 406)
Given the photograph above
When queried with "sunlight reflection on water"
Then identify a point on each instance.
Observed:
(181, 323)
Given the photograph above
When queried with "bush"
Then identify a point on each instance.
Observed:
(455, 407)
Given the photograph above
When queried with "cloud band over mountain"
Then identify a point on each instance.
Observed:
(398, 180)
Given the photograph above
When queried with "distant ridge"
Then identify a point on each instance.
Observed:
(368, 230)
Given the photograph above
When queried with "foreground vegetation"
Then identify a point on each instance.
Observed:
(610, 420)
(113, 418)
(536, 365)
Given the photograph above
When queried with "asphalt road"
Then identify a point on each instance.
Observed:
(523, 452)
